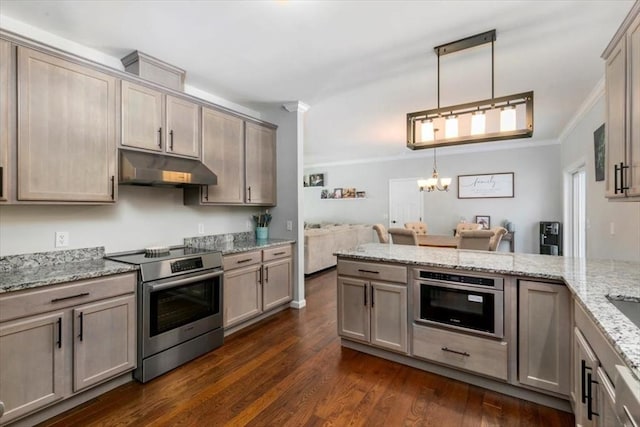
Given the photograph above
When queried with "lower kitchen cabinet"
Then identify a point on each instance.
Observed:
(63, 339)
(372, 311)
(585, 365)
(544, 336)
(256, 282)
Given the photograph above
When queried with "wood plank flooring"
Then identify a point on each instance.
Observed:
(290, 370)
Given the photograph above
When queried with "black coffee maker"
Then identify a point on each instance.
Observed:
(550, 238)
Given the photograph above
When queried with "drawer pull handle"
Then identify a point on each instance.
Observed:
(368, 271)
(461, 353)
(243, 260)
(279, 253)
(628, 414)
(84, 294)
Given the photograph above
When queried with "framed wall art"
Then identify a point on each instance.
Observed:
(484, 220)
(495, 185)
(599, 152)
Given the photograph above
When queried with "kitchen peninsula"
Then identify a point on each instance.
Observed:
(390, 297)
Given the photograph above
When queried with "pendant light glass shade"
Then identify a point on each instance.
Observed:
(508, 119)
(426, 130)
(478, 123)
(451, 127)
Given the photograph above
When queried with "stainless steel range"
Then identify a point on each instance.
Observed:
(179, 306)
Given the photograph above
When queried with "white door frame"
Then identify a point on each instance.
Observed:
(567, 178)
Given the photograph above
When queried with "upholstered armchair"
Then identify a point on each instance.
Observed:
(465, 226)
(418, 227)
(381, 231)
(403, 236)
(496, 238)
(475, 239)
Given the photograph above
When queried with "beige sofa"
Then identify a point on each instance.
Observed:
(321, 243)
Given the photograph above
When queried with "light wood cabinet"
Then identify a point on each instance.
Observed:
(104, 345)
(5, 117)
(154, 121)
(622, 82)
(372, 311)
(585, 365)
(243, 156)
(32, 357)
(260, 164)
(66, 131)
(544, 336)
(256, 282)
(86, 337)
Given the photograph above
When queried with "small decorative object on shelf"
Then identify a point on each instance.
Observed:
(485, 220)
(348, 193)
(337, 193)
(361, 194)
(262, 225)
(342, 193)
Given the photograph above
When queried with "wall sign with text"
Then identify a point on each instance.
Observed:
(493, 185)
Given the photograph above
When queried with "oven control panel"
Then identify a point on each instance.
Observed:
(457, 278)
(186, 265)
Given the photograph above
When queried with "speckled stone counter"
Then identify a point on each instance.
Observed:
(589, 280)
(233, 243)
(18, 272)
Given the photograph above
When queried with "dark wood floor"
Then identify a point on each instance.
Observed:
(291, 370)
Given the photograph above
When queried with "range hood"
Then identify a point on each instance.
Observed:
(140, 168)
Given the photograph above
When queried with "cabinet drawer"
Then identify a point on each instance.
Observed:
(230, 262)
(369, 270)
(480, 355)
(41, 300)
(277, 252)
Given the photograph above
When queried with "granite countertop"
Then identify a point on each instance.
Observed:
(18, 272)
(234, 247)
(589, 280)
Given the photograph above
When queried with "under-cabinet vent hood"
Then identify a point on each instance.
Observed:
(140, 168)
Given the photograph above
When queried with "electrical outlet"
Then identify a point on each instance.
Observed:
(249, 225)
(200, 228)
(62, 239)
(289, 225)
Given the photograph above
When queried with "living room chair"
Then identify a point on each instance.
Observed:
(466, 226)
(403, 236)
(381, 231)
(475, 239)
(418, 227)
(494, 242)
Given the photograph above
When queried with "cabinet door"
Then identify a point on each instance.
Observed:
(32, 355)
(183, 127)
(616, 105)
(260, 154)
(223, 153)
(353, 309)
(242, 294)
(277, 288)
(544, 336)
(104, 340)
(606, 401)
(584, 363)
(389, 316)
(5, 74)
(633, 145)
(142, 113)
(66, 138)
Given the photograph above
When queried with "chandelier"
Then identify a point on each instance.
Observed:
(493, 119)
(435, 182)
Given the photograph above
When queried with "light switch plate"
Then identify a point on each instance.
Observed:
(289, 225)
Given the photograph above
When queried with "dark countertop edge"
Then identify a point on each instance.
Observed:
(635, 370)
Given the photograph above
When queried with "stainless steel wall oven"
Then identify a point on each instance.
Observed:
(473, 304)
(179, 307)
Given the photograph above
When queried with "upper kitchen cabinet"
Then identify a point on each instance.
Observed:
(154, 121)
(622, 76)
(242, 155)
(5, 116)
(66, 131)
(260, 164)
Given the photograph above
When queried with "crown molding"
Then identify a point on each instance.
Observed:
(596, 93)
(298, 106)
(442, 151)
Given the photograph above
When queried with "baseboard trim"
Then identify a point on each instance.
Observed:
(236, 328)
(298, 304)
(494, 385)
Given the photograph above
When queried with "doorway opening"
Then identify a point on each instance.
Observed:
(405, 202)
(576, 211)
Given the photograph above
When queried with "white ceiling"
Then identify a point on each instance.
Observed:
(364, 58)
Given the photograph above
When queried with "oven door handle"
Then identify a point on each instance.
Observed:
(185, 281)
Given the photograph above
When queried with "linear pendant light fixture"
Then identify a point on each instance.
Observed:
(494, 119)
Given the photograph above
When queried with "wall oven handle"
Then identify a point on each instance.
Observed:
(186, 281)
(461, 353)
